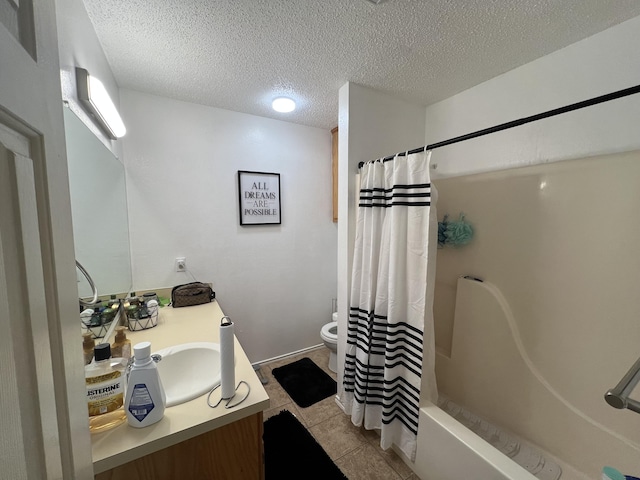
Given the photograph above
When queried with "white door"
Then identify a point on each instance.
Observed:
(40, 354)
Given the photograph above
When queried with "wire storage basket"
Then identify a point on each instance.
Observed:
(97, 320)
(141, 313)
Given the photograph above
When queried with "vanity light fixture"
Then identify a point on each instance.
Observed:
(96, 100)
(283, 104)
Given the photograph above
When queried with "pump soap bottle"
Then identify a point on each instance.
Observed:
(105, 391)
(145, 400)
(88, 344)
(121, 346)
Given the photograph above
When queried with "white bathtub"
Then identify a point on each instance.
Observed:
(447, 450)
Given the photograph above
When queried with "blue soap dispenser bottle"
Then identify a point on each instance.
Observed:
(145, 399)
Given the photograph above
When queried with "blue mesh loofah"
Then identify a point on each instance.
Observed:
(442, 227)
(457, 233)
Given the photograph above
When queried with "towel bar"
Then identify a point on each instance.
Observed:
(618, 396)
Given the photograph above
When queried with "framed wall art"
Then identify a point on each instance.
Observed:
(259, 198)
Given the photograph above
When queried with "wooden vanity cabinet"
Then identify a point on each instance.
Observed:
(231, 452)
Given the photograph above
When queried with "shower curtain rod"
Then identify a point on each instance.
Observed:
(516, 123)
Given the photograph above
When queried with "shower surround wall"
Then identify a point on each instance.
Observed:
(277, 281)
(555, 323)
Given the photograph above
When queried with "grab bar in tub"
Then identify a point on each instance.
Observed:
(618, 396)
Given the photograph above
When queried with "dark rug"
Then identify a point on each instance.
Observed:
(305, 382)
(291, 452)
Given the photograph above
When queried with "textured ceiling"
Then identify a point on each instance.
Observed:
(239, 54)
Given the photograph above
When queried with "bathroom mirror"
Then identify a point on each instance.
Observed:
(98, 209)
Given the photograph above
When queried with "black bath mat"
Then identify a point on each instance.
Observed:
(305, 382)
(291, 452)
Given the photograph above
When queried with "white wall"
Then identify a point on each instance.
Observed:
(371, 125)
(275, 282)
(600, 64)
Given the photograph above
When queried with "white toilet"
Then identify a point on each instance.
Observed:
(329, 335)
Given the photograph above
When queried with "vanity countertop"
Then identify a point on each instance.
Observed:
(181, 422)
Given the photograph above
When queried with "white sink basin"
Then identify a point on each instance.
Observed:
(189, 370)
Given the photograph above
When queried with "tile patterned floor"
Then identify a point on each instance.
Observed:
(355, 451)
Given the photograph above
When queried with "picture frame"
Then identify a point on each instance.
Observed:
(259, 198)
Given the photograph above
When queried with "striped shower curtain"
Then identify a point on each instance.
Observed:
(390, 343)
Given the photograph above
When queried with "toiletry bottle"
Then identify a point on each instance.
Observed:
(105, 391)
(96, 317)
(134, 299)
(121, 346)
(147, 297)
(107, 314)
(88, 344)
(114, 303)
(143, 312)
(85, 317)
(152, 309)
(131, 306)
(145, 400)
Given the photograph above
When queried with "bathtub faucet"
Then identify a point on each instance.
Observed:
(618, 396)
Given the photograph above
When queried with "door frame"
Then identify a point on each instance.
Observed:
(31, 104)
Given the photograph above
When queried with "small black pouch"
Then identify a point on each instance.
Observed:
(189, 294)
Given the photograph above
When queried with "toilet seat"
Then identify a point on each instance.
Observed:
(329, 335)
(329, 332)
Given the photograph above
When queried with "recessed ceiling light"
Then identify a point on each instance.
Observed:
(283, 104)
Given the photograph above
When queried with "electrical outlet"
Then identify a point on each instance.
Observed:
(181, 264)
